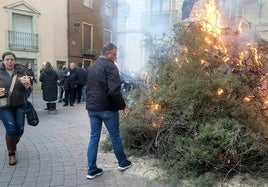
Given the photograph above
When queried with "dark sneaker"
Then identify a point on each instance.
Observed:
(94, 174)
(125, 167)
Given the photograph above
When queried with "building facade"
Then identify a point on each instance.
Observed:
(91, 23)
(35, 30)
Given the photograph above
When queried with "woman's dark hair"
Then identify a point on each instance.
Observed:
(8, 53)
(28, 64)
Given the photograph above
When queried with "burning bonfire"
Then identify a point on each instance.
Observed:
(237, 51)
(230, 50)
(209, 110)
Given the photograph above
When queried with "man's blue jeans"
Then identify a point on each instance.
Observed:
(13, 120)
(111, 121)
(84, 95)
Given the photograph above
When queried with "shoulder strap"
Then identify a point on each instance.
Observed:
(12, 85)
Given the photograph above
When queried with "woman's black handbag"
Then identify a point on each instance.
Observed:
(31, 115)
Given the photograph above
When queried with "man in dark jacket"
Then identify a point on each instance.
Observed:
(104, 99)
(70, 82)
(81, 82)
(60, 73)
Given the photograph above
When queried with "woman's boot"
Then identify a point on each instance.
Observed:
(11, 142)
(18, 139)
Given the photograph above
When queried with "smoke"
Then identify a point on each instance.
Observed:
(139, 18)
(136, 20)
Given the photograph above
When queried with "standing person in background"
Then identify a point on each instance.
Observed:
(13, 116)
(30, 72)
(42, 67)
(84, 96)
(49, 80)
(70, 82)
(81, 82)
(41, 70)
(60, 73)
(104, 99)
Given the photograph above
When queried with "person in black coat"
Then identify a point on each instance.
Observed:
(49, 79)
(104, 100)
(81, 82)
(60, 73)
(70, 83)
(30, 73)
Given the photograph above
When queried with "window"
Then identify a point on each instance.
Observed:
(160, 5)
(22, 23)
(21, 37)
(87, 39)
(160, 12)
(88, 3)
(107, 36)
(108, 10)
(22, 27)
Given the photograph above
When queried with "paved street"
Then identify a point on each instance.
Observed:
(54, 153)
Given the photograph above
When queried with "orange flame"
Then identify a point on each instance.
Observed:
(220, 92)
(234, 52)
(211, 16)
(153, 106)
(157, 120)
(247, 99)
(239, 29)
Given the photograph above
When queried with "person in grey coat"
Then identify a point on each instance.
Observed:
(49, 80)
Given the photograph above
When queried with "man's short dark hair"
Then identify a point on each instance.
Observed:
(48, 65)
(8, 53)
(107, 47)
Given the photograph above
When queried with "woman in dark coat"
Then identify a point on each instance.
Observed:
(49, 80)
(13, 116)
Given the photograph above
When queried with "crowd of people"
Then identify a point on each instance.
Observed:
(99, 87)
(63, 85)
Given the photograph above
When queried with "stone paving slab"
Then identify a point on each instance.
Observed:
(54, 154)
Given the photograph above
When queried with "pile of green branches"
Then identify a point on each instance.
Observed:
(194, 129)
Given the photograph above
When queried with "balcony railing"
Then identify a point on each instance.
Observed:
(159, 19)
(22, 41)
(89, 53)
